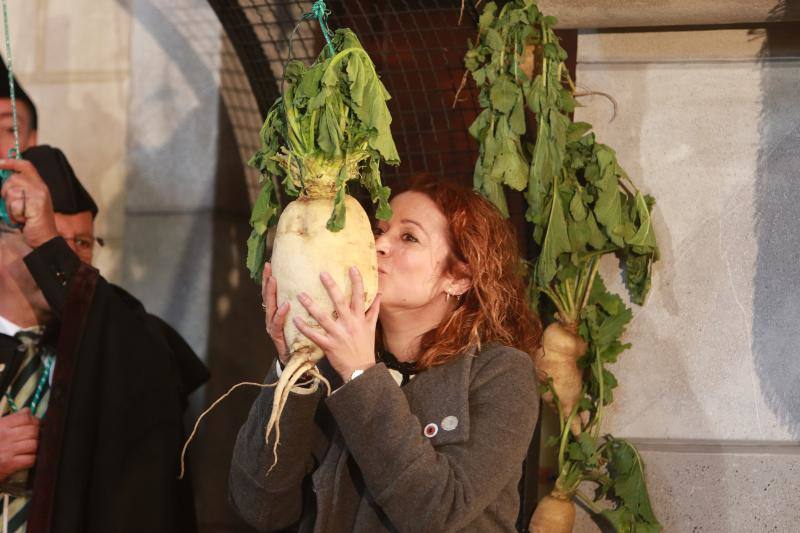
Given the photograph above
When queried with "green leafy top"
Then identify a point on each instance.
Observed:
(331, 125)
(579, 197)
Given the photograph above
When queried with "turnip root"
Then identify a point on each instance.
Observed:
(303, 249)
(530, 57)
(557, 360)
(554, 514)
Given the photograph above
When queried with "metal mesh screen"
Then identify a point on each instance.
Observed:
(417, 46)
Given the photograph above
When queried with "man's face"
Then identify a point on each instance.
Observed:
(13, 249)
(27, 136)
(78, 231)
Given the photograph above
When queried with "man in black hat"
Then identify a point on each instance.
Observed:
(27, 119)
(112, 380)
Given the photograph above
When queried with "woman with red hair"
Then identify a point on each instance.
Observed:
(437, 403)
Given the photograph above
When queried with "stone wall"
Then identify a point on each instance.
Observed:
(709, 123)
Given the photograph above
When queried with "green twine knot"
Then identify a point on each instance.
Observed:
(320, 12)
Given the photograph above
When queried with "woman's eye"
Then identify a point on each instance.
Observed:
(410, 238)
(377, 231)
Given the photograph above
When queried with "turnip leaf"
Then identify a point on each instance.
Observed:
(556, 242)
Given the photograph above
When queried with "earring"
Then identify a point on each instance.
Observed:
(447, 295)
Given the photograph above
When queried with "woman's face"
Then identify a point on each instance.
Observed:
(412, 251)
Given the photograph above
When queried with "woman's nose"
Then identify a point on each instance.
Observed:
(381, 244)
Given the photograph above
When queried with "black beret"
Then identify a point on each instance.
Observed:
(19, 94)
(69, 196)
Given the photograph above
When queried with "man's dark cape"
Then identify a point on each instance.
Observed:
(110, 440)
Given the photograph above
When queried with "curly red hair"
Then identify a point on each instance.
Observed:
(484, 248)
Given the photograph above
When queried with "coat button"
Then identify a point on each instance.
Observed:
(431, 430)
(449, 423)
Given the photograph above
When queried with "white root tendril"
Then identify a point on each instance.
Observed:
(204, 413)
(296, 369)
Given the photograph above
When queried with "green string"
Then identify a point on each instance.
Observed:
(320, 12)
(12, 152)
(11, 82)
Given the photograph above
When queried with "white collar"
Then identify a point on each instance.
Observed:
(8, 328)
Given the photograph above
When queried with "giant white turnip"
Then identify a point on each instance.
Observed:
(330, 126)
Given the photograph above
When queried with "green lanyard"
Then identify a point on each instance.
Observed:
(37, 395)
(14, 152)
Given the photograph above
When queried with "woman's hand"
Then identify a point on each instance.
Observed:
(275, 316)
(349, 339)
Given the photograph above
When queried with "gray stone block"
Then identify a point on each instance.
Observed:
(718, 492)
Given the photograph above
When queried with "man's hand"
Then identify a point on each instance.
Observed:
(19, 439)
(28, 202)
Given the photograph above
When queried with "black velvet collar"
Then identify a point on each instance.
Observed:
(406, 369)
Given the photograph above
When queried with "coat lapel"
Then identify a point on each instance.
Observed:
(439, 397)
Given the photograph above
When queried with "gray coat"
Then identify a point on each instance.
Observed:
(377, 457)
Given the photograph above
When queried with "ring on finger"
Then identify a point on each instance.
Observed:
(263, 306)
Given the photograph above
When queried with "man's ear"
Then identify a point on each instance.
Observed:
(33, 138)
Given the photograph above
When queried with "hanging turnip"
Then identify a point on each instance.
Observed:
(330, 126)
(557, 361)
(554, 514)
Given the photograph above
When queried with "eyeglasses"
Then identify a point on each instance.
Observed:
(85, 244)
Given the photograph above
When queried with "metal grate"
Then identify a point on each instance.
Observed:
(417, 47)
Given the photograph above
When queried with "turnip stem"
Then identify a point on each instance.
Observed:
(556, 301)
(566, 432)
(588, 502)
(587, 294)
(598, 418)
(583, 277)
(557, 402)
(570, 298)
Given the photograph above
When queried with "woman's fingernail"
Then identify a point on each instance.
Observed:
(303, 297)
(353, 270)
(325, 276)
